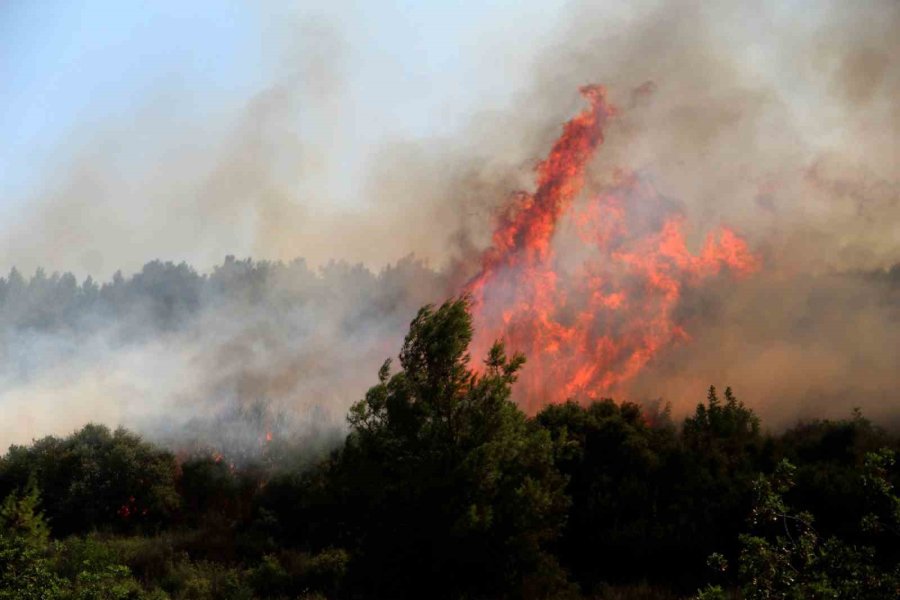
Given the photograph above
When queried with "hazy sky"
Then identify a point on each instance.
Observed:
(369, 130)
(403, 68)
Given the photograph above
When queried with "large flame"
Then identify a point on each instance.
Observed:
(592, 316)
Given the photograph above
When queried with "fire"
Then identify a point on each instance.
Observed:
(591, 317)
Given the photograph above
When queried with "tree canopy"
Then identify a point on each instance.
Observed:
(444, 488)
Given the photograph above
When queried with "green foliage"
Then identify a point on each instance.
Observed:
(448, 485)
(724, 432)
(786, 557)
(293, 574)
(618, 470)
(96, 479)
(712, 592)
(722, 452)
(20, 517)
(214, 490)
(203, 580)
(445, 489)
(636, 486)
(92, 572)
(76, 569)
(883, 517)
(829, 457)
(25, 570)
(150, 559)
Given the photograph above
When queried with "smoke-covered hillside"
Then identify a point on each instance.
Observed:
(776, 123)
(221, 358)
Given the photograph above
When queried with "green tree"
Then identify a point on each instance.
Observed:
(25, 570)
(784, 556)
(727, 428)
(450, 490)
(96, 479)
(92, 571)
(829, 456)
(724, 452)
(622, 478)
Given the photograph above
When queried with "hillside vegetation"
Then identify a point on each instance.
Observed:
(445, 489)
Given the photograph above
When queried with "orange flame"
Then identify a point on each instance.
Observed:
(590, 326)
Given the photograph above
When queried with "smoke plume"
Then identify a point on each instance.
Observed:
(778, 123)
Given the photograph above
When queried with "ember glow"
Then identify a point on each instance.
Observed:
(592, 316)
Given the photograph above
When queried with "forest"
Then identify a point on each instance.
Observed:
(443, 488)
(573, 300)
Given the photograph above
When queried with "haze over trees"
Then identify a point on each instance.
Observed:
(219, 359)
(445, 489)
(179, 355)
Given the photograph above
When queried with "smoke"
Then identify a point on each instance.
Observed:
(778, 121)
(780, 124)
(219, 361)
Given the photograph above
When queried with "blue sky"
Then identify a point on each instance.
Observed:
(68, 65)
(67, 68)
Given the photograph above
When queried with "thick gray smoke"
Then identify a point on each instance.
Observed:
(779, 122)
(218, 361)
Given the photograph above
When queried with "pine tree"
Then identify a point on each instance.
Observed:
(25, 571)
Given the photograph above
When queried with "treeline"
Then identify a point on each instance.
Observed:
(163, 295)
(445, 489)
(192, 353)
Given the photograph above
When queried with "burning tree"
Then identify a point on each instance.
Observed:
(589, 319)
(451, 487)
